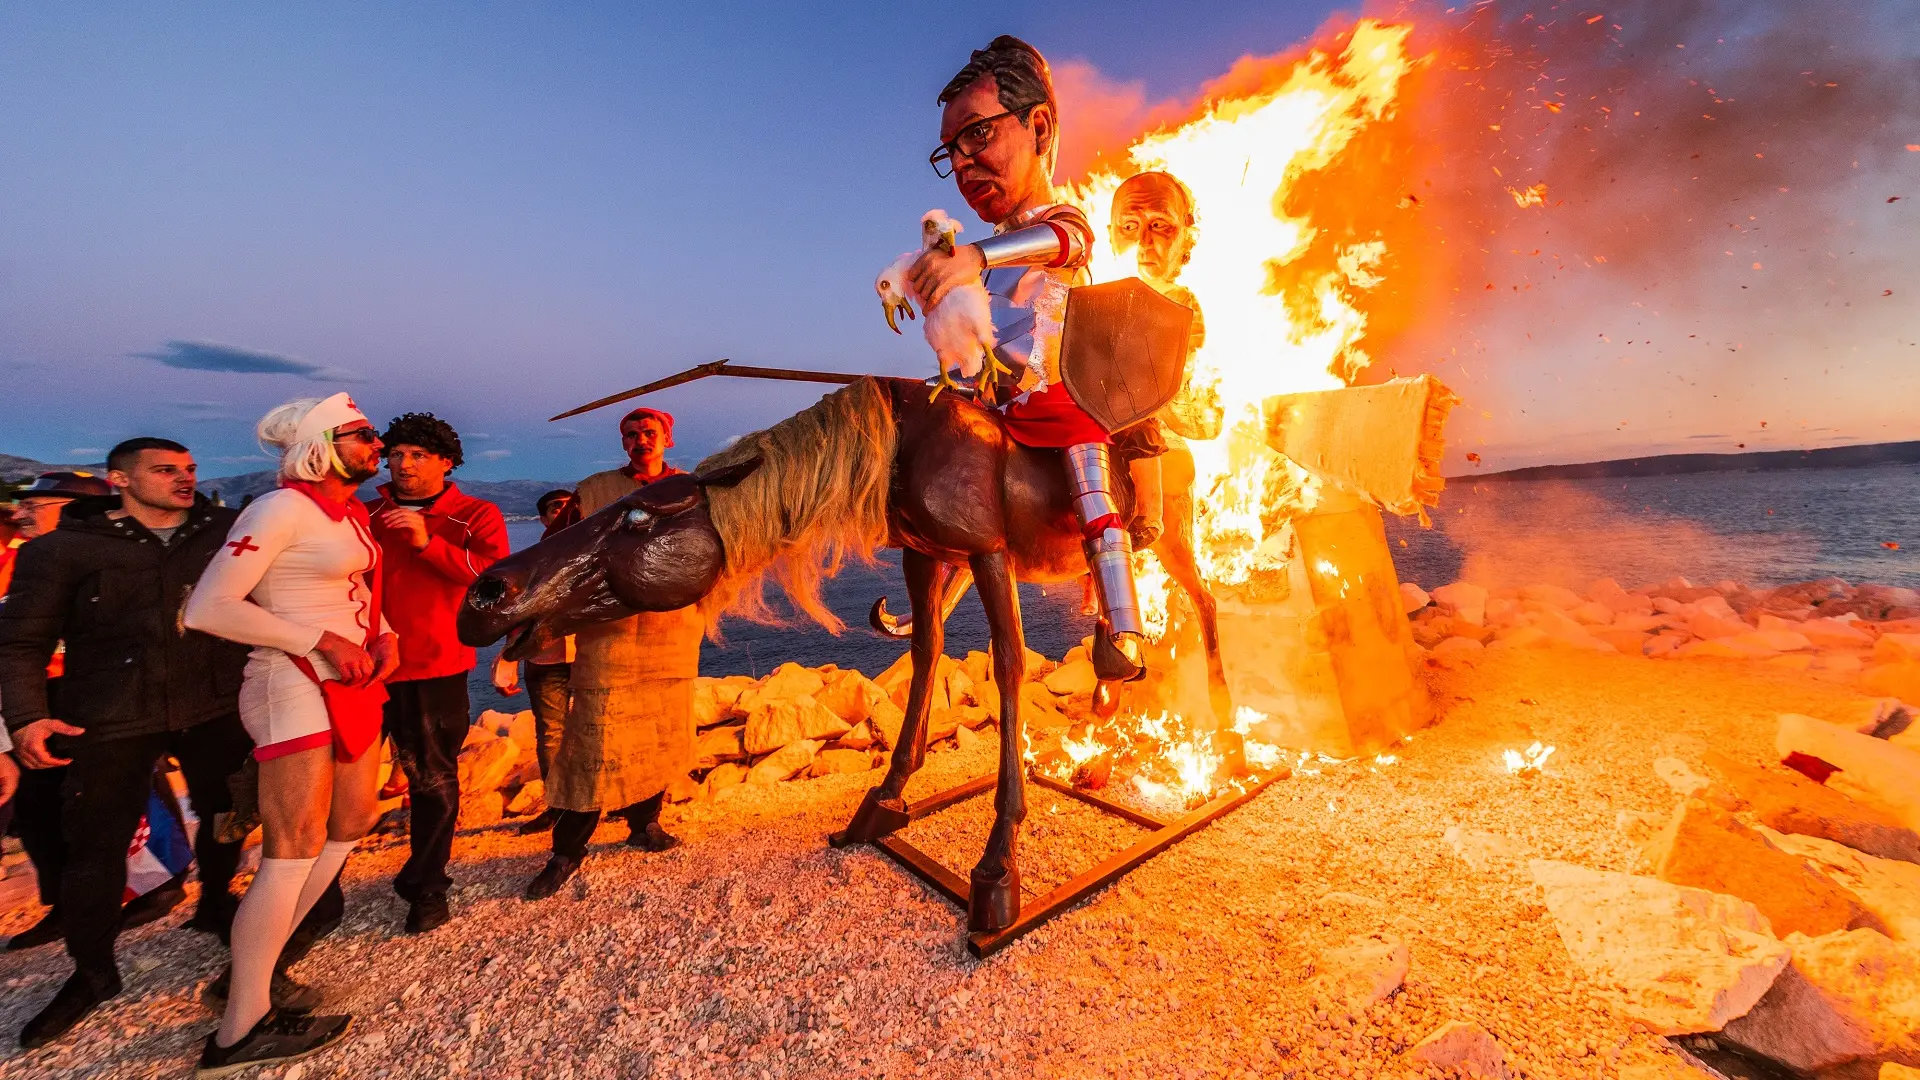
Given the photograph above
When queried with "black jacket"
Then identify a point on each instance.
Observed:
(114, 593)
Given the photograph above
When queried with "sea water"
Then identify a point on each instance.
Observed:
(1758, 528)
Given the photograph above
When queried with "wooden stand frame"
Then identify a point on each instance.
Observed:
(1033, 913)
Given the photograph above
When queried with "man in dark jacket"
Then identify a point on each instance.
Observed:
(110, 583)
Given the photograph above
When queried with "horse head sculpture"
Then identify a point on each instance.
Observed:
(655, 550)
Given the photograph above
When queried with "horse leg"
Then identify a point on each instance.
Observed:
(1175, 549)
(883, 811)
(995, 892)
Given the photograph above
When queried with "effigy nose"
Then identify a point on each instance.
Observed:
(490, 590)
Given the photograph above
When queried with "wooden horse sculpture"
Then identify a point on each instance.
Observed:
(875, 464)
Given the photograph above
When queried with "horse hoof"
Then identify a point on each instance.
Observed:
(1106, 700)
(1112, 664)
(886, 622)
(994, 902)
(876, 818)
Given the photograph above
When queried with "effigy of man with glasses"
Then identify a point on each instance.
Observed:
(1000, 135)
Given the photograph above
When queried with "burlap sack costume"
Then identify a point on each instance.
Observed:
(629, 732)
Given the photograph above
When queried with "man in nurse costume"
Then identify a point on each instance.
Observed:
(299, 582)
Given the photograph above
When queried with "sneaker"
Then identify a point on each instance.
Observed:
(652, 837)
(551, 877)
(287, 993)
(45, 932)
(279, 1037)
(540, 823)
(151, 906)
(428, 912)
(83, 992)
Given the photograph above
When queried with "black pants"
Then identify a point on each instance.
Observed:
(36, 820)
(574, 828)
(106, 792)
(427, 719)
(36, 812)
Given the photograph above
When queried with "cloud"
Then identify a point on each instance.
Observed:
(203, 411)
(1706, 436)
(87, 452)
(208, 356)
(493, 455)
(240, 459)
(561, 433)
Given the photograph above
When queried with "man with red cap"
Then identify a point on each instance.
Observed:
(620, 742)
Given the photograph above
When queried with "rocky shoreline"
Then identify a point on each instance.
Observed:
(1655, 898)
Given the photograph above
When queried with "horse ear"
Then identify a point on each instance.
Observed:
(727, 475)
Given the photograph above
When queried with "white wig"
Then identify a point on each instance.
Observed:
(302, 431)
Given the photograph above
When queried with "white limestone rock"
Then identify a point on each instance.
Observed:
(1677, 959)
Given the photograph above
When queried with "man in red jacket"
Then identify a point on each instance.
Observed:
(434, 540)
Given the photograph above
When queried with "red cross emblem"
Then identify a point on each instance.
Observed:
(242, 546)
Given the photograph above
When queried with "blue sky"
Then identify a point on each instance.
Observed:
(497, 212)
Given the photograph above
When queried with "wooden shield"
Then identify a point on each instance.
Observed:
(1123, 351)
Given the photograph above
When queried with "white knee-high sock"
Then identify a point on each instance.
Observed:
(333, 856)
(260, 929)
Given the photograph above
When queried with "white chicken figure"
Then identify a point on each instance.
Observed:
(960, 327)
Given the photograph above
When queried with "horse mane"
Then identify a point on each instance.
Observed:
(818, 497)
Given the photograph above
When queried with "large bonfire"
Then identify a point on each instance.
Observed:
(1283, 300)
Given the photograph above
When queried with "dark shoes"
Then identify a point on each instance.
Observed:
(83, 992)
(151, 906)
(45, 932)
(539, 823)
(429, 912)
(425, 910)
(278, 1038)
(651, 837)
(555, 874)
(288, 994)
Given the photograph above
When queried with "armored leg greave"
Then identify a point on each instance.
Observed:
(1109, 550)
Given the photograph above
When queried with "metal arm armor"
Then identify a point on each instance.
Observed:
(1042, 244)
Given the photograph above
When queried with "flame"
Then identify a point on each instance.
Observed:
(1282, 311)
(1240, 159)
(1533, 196)
(1534, 759)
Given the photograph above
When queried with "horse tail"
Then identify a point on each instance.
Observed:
(818, 498)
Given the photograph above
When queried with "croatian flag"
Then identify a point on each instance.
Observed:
(159, 851)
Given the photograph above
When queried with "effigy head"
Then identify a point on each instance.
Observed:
(1153, 213)
(655, 550)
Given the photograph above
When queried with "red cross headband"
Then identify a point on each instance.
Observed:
(332, 413)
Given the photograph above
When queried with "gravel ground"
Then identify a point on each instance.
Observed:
(754, 950)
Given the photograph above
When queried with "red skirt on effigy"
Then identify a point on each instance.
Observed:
(1051, 418)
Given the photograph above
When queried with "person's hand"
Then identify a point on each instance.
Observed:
(351, 661)
(386, 656)
(9, 778)
(30, 743)
(413, 523)
(506, 677)
(935, 273)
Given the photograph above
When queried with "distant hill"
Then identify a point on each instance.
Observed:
(1832, 457)
(516, 498)
(14, 467)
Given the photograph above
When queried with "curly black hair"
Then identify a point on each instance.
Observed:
(427, 431)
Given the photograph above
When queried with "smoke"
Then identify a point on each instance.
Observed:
(1658, 125)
